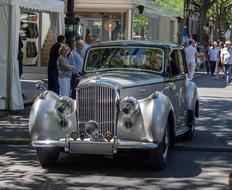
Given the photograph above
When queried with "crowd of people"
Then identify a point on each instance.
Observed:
(218, 57)
(65, 65)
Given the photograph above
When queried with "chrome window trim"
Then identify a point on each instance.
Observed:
(108, 69)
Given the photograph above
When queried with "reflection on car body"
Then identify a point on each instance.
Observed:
(134, 95)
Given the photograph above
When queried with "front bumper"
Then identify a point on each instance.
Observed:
(91, 147)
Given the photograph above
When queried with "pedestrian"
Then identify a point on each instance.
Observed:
(219, 63)
(53, 83)
(20, 54)
(213, 57)
(77, 61)
(191, 59)
(226, 58)
(87, 44)
(65, 70)
(207, 65)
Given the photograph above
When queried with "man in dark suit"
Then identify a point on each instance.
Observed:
(53, 84)
(20, 57)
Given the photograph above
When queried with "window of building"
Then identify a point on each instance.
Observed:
(102, 26)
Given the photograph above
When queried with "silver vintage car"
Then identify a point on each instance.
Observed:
(133, 95)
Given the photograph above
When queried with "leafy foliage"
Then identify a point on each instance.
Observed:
(177, 5)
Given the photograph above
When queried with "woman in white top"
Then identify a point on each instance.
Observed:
(65, 69)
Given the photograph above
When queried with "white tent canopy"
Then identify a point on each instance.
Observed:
(10, 14)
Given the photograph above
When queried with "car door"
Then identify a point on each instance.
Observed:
(182, 94)
(176, 87)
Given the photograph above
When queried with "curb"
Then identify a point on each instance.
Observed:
(4, 114)
(202, 148)
(15, 141)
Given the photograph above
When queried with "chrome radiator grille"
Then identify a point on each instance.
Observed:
(97, 103)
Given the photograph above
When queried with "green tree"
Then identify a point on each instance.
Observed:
(176, 5)
(221, 15)
(141, 25)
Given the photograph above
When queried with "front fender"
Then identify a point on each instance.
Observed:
(155, 110)
(150, 120)
(44, 122)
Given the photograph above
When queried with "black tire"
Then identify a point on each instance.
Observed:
(157, 158)
(188, 135)
(48, 157)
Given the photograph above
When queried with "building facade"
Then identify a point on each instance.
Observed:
(125, 19)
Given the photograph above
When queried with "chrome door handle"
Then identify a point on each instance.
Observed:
(171, 86)
(142, 89)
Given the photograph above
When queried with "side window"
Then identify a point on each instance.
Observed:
(154, 59)
(181, 60)
(175, 69)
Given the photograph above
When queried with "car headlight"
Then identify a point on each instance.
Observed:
(128, 105)
(64, 106)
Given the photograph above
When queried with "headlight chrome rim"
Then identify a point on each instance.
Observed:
(64, 106)
(129, 105)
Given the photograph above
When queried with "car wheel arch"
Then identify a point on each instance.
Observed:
(172, 128)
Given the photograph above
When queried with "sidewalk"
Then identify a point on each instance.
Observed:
(14, 126)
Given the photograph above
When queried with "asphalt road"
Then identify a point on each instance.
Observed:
(202, 163)
(185, 170)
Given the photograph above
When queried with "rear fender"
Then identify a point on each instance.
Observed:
(192, 96)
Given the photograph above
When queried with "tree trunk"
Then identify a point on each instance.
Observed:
(202, 22)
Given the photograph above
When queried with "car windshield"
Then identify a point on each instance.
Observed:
(144, 58)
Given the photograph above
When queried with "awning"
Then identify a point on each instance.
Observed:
(43, 5)
(10, 13)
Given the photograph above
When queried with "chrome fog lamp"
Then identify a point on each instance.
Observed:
(91, 128)
(74, 135)
(64, 106)
(128, 106)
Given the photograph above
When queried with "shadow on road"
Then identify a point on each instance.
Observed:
(209, 81)
(22, 171)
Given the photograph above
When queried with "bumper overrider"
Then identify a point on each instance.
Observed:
(90, 147)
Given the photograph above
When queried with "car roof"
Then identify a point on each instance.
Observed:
(145, 43)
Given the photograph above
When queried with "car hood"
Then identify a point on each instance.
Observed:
(122, 79)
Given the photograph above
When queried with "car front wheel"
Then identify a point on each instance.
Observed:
(48, 156)
(157, 158)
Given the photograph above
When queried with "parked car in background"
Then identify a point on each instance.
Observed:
(133, 95)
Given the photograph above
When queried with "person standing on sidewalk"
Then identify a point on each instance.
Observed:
(20, 54)
(213, 57)
(226, 58)
(77, 60)
(87, 44)
(65, 70)
(219, 64)
(53, 83)
(191, 59)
